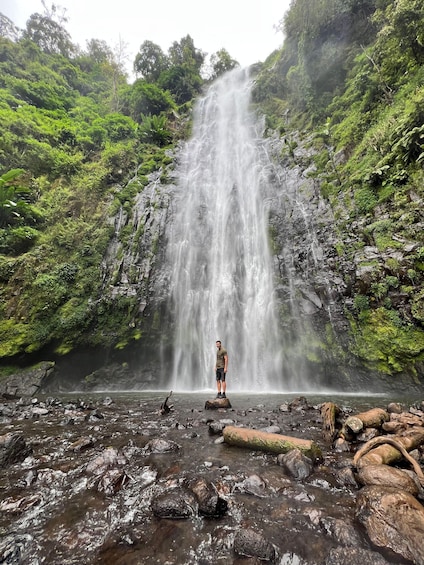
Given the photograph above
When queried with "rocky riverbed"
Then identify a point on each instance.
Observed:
(116, 480)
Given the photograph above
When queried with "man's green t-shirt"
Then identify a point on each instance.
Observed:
(220, 354)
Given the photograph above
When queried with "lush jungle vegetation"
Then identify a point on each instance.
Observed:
(350, 77)
(74, 131)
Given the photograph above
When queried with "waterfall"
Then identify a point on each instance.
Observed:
(222, 267)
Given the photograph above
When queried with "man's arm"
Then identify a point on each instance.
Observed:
(225, 363)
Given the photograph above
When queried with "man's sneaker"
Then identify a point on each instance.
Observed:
(223, 395)
(219, 395)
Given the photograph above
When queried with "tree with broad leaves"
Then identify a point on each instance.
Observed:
(150, 61)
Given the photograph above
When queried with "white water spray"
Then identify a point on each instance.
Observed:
(222, 276)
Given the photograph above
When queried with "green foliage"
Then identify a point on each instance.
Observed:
(386, 344)
(221, 62)
(15, 241)
(147, 99)
(80, 132)
(154, 130)
(150, 61)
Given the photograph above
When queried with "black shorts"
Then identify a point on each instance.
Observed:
(220, 375)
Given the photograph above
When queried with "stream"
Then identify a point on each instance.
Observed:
(85, 492)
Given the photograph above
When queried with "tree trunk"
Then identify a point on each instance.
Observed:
(373, 418)
(329, 413)
(275, 443)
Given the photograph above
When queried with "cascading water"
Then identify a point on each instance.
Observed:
(222, 275)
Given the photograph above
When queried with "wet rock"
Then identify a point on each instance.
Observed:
(341, 531)
(109, 458)
(250, 543)
(216, 403)
(94, 416)
(216, 428)
(271, 429)
(392, 518)
(81, 444)
(385, 475)
(13, 449)
(367, 434)
(210, 503)
(247, 561)
(295, 464)
(111, 482)
(341, 445)
(160, 445)
(27, 382)
(395, 408)
(346, 477)
(354, 556)
(177, 504)
(254, 484)
(299, 404)
(15, 548)
(39, 411)
(16, 505)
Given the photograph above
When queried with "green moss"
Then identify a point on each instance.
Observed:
(383, 342)
(14, 336)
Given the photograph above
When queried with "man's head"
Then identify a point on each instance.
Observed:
(218, 344)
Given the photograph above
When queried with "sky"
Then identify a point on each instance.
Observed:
(246, 29)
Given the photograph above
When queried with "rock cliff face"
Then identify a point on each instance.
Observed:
(314, 286)
(310, 277)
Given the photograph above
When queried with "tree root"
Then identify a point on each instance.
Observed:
(382, 440)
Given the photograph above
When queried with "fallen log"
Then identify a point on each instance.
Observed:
(275, 443)
(373, 418)
(329, 412)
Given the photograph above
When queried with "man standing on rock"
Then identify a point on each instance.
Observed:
(221, 369)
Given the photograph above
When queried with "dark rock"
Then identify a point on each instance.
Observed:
(253, 484)
(107, 459)
(216, 428)
(341, 530)
(395, 408)
(13, 449)
(160, 445)
(250, 543)
(81, 444)
(111, 482)
(177, 504)
(354, 556)
(346, 477)
(295, 464)
(15, 548)
(27, 382)
(210, 503)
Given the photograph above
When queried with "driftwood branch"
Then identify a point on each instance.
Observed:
(164, 408)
